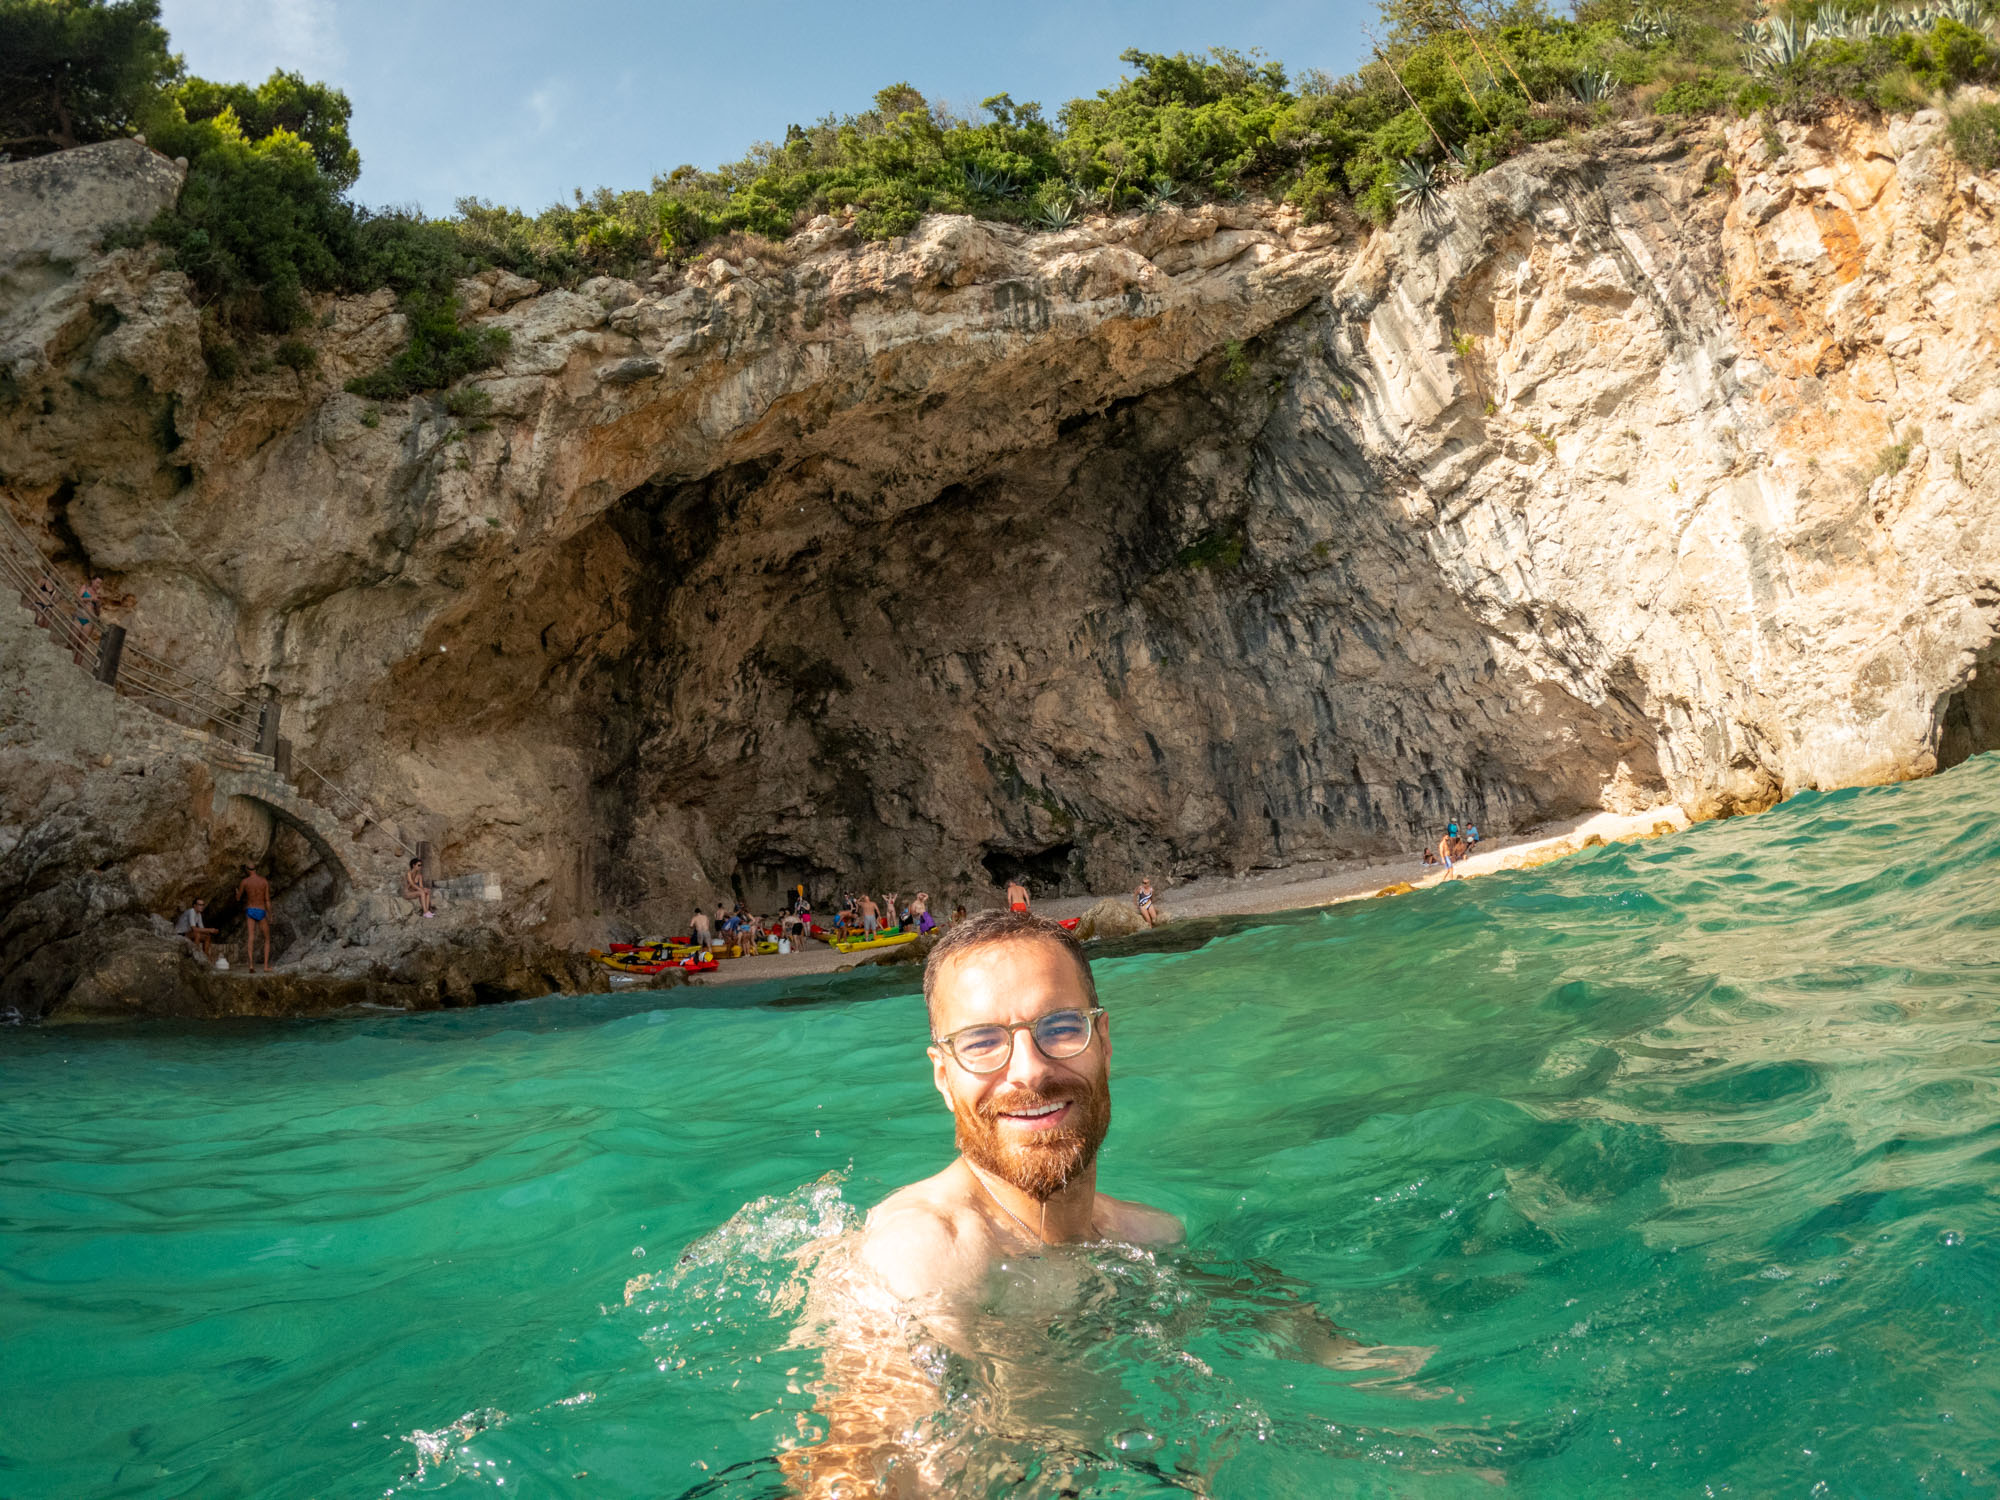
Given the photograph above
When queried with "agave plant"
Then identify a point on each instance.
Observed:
(1058, 211)
(1648, 27)
(1780, 44)
(1088, 200)
(982, 181)
(1594, 86)
(1162, 195)
(1968, 13)
(1420, 186)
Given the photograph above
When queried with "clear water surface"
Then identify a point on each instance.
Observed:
(1682, 1154)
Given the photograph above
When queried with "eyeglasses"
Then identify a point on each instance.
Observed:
(986, 1049)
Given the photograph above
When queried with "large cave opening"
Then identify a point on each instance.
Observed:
(1969, 720)
(864, 665)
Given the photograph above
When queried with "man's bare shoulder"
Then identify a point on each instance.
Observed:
(1138, 1224)
(926, 1238)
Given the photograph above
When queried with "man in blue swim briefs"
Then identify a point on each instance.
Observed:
(255, 894)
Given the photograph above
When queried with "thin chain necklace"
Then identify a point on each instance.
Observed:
(1030, 1233)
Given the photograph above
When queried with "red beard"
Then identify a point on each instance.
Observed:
(1047, 1162)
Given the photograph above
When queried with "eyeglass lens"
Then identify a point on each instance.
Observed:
(1063, 1033)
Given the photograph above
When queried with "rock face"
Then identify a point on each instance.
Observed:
(1657, 469)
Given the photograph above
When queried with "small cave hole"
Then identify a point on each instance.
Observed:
(1053, 870)
(1970, 721)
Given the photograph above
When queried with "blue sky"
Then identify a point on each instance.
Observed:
(520, 103)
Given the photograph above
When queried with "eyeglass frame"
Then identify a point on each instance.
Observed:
(948, 1041)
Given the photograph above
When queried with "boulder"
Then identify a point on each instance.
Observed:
(1114, 916)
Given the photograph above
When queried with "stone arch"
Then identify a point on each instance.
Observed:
(314, 824)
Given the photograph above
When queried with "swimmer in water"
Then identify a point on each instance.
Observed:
(1021, 1057)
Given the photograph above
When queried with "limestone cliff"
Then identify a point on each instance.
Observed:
(1656, 468)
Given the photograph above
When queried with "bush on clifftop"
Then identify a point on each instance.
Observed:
(266, 219)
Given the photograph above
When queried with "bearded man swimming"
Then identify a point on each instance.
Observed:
(1021, 1055)
(973, 1261)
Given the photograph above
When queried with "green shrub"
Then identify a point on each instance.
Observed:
(1974, 132)
(1703, 94)
(259, 223)
(1219, 551)
(468, 401)
(296, 354)
(440, 350)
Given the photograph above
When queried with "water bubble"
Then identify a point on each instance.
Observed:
(1135, 1440)
(1952, 1237)
(638, 1252)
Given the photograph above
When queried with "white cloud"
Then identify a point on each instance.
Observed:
(545, 105)
(243, 40)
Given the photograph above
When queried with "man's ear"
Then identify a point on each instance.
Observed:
(938, 1076)
(1104, 1026)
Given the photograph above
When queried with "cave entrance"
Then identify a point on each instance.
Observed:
(1970, 720)
(1052, 871)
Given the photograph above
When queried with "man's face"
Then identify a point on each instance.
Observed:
(1000, 1127)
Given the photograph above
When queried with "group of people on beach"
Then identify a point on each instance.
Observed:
(855, 915)
(1453, 847)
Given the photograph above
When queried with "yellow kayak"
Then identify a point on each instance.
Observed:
(877, 942)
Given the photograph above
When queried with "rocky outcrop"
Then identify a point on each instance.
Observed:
(1657, 469)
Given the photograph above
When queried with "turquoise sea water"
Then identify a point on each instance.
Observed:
(1684, 1156)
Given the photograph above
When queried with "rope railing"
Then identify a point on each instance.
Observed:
(167, 689)
(344, 803)
(157, 683)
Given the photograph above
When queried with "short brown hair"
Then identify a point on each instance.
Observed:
(983, 929)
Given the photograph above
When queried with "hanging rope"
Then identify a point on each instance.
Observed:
(1466, 26)
(1464, 83)
(1413, 102)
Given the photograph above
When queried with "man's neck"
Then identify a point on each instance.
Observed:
(1066, 1216)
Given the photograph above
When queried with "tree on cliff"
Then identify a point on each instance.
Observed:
(76, 71)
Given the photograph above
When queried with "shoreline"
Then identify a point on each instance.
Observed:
(1289, 887)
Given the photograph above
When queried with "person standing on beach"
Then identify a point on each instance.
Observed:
(1017, 896)
(1144, 897)
(255, 894)
(698, 932)
(870, 918)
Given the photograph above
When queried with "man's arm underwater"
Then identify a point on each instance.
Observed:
(872, 1300)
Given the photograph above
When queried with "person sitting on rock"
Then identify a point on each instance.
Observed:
(414, 888)
(1144, 898)
(193, 925)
